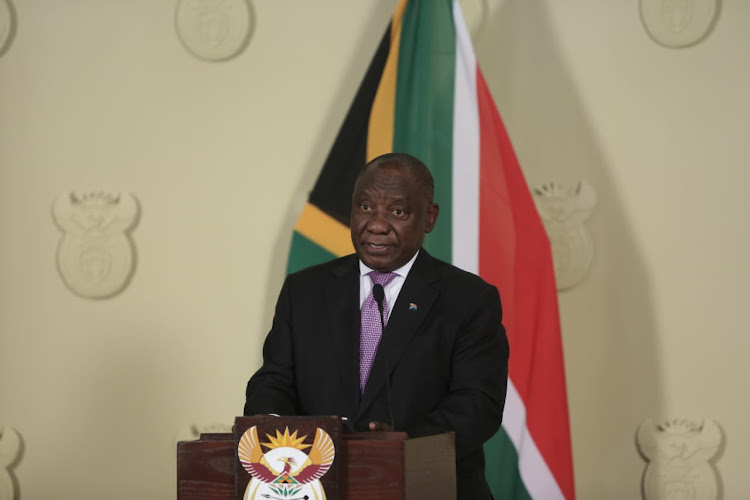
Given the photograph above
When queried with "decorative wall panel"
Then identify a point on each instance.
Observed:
(679, 454)
(96, 256)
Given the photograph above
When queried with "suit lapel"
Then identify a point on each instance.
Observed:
(412, 305)
(342, 299)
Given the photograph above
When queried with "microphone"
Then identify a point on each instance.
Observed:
(379, 295)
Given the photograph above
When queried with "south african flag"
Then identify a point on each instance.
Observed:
(424, 94)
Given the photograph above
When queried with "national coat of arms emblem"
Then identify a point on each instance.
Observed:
(564, 211)
(680, 456)
(285, 471)
(96, 255)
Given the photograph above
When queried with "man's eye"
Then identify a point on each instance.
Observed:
(398, 212)
(365, 207)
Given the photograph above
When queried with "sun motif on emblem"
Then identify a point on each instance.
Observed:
(285, 471)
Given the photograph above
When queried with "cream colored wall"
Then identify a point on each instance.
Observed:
(100, 94)
(657, 329)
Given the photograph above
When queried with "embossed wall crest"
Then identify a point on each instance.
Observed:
(10, 454)
(678, 23)
(679, 454)
(7, 25)
(96, 256)
(476, 14)
(214, 30)
(564, 212)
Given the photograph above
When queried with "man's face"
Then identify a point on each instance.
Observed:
(391, 213)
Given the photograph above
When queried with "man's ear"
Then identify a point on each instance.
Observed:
(431, 218)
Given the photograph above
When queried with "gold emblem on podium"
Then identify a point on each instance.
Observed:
(285, 471)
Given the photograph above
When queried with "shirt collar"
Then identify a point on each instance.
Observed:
(402, 271)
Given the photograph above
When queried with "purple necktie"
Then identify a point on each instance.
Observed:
(371, 327)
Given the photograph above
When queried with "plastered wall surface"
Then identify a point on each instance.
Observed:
(102, 95)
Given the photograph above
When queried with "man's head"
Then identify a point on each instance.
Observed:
(392, 210)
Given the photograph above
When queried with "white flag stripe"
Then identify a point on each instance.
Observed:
(465, 175)
(536, 475)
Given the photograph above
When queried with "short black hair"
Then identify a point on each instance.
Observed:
(413, 164)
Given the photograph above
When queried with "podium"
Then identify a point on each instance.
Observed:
(371, 465)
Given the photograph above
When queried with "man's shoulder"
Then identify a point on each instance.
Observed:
(453, 274)
(335, 267)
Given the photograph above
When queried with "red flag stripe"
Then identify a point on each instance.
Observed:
(515, 255)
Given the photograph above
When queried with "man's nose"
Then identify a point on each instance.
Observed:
(378, 224)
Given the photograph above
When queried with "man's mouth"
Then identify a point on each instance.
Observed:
(376, 247)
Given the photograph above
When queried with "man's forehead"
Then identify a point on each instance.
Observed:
(390, 189)
(386, 175)
(375, 193)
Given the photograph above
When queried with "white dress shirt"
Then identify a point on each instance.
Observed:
(392, 289)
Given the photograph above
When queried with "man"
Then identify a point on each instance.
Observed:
(442, 361)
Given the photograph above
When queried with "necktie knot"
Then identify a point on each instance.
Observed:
(381, 278)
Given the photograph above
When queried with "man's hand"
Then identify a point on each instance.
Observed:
(380, 426)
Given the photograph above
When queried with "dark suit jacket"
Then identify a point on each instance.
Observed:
(445, 361)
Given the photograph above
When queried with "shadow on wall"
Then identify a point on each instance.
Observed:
(378, 20)
(609, 331)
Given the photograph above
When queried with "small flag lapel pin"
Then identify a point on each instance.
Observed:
(412, 306)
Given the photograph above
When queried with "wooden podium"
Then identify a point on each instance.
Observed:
(372, 465)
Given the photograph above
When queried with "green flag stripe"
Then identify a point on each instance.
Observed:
(305, 253)
(424, 104)
(502, 470)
